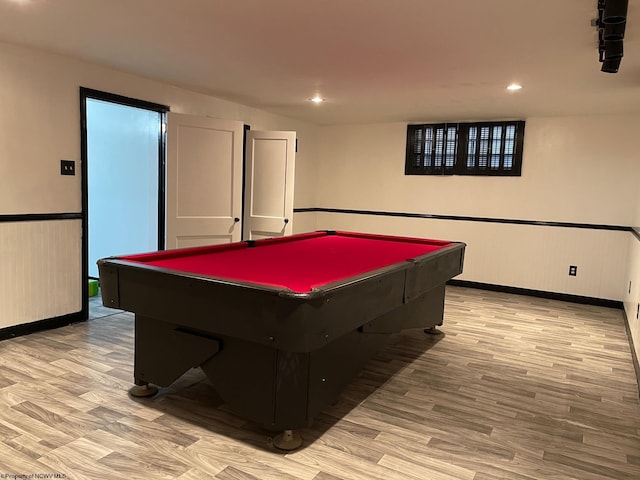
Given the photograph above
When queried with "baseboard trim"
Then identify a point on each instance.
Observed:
(40, 325)
(636, 364)
(601, 302)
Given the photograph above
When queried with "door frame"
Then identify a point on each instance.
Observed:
(247, 128)
(91, 94)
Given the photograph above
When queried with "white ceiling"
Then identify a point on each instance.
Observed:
(373, 60)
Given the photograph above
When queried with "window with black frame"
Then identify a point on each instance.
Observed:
(481, 148)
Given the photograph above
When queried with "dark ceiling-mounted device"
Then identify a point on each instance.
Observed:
(611, 23)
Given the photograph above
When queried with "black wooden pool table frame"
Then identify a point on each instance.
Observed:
(274, 356)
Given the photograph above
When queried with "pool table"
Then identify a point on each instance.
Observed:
(282, 325)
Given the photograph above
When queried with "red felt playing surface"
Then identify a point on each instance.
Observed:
(299, 265)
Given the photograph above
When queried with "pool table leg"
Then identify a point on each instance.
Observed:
(287, 440)
(434, 330)
(143, 389)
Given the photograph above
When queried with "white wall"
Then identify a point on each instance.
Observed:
(575, 170)
(39, 126)
(632, 293)
(40, 270)
(530, 257)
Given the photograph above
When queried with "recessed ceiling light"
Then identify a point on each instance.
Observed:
(317, 99)
(514, 86)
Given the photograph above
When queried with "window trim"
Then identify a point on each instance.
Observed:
(438, 159)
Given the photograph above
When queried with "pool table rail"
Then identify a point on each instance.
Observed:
(275, 317)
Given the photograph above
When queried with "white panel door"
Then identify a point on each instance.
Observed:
(204, 180)
(269, 177)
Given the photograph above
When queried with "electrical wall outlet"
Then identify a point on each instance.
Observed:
(573, 270)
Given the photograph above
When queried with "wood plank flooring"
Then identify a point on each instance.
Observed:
(515, 388)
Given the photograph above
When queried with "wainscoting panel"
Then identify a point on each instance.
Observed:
(40, 270)
(535, 257)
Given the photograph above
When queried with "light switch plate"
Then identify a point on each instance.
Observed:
(67, 167)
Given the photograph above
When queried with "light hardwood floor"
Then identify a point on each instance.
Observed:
(516, 388)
